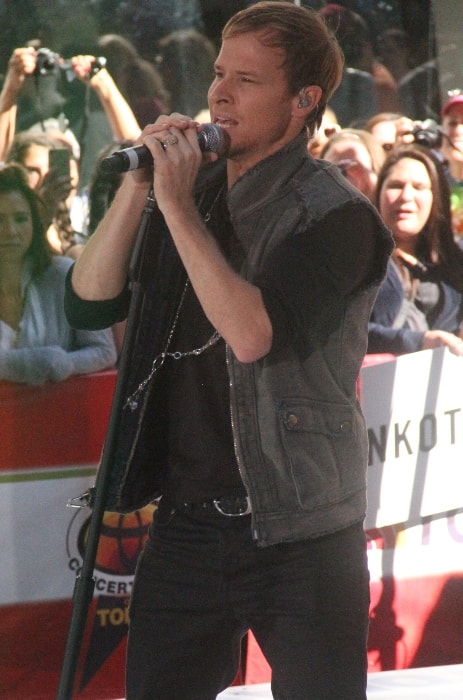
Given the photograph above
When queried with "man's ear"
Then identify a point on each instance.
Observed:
(309, 97)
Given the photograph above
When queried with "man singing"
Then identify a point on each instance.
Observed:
(241, 414)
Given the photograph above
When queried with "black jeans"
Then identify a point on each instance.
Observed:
(202, 583)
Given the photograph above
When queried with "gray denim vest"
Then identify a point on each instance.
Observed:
(300, 436)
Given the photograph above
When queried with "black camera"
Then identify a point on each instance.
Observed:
(427, 133)
(47, 62)
(50, 63)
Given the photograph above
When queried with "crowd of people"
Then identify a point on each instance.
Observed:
(38, 118)
(41, 196)
(414, 180)
(130, 92)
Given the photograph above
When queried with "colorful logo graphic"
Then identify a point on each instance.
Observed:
(122, 538)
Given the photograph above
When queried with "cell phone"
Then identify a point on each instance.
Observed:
(58, 159)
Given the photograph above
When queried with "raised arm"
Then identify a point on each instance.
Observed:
(21, 64)
(121, 118)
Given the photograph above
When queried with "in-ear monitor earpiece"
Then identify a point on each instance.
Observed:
(304, 100)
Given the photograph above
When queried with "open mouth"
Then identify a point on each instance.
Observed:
(224, 122)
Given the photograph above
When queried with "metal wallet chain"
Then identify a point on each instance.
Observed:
(133, 399)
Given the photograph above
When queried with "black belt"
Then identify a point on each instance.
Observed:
(228, 506)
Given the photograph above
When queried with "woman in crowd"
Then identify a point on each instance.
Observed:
(358, 155)
(36, 342)
(420, 303)
(56, 190)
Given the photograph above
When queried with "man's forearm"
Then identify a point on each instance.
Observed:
(100, 271)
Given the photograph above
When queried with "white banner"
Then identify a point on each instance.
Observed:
(413, 408)
(37, 535)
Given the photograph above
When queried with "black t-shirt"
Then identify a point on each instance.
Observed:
(201, 456)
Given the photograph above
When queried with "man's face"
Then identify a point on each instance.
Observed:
(249, 98)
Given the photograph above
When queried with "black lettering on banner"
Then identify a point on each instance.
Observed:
(431, 432)
(451, 414)
(428, 432)
(401, 437)
(378, 445)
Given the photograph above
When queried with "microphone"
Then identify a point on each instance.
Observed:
(211, 138)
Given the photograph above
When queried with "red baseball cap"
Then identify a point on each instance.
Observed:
(454, 99)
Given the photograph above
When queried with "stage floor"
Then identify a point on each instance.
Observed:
(436, 683)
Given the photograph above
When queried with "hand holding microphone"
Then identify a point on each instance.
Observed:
(211, 138)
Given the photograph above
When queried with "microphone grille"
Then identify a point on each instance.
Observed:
(213, 138)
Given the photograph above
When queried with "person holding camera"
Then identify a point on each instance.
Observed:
(29, 69)
(34, 89)
(390, 128)
(420, 303)
(62, 191)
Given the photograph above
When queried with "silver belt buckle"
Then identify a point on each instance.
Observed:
(246, 510)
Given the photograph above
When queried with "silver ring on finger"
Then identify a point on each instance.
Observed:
(170, 140)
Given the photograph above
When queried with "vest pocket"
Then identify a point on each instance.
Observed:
(322, 450)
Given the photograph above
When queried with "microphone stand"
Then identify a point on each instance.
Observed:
(85, 581)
